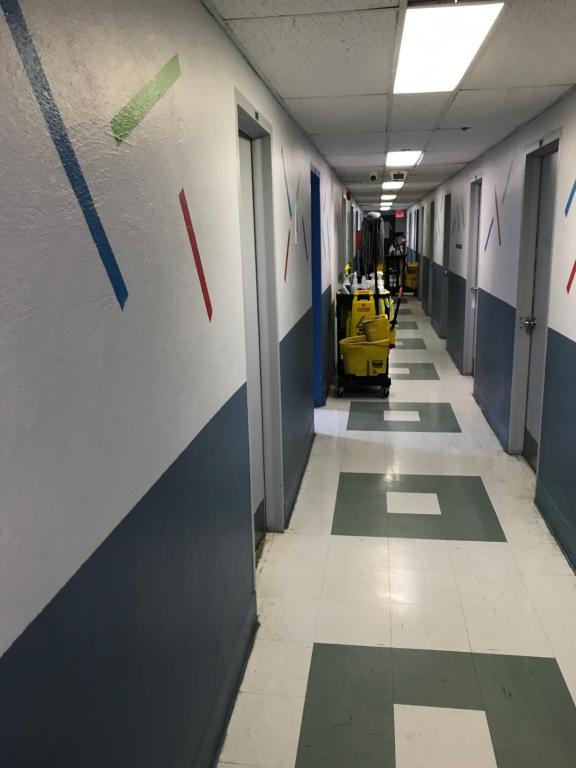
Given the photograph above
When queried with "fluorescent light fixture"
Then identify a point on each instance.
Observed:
(392, 184)
(405, 158)
(439, 43)
(387, 197)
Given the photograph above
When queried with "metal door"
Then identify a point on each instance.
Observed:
(537, 323)
(252, 335)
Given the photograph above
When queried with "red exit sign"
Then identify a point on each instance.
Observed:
(400, 214)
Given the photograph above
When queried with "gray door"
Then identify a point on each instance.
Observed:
(252, 334)
(476, 190)
(443, 330)
(537, 324)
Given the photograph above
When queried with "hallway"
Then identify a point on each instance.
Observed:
(417, 611)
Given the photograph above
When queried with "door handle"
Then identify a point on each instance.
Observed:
(528, 323)
(474, 290)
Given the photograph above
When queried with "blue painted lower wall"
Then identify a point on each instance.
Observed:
(495, 326)
(137, 659)
(297, 406)
(425, 277)
(328, 336)
(556, 485)
(456, 318)
(436, 308)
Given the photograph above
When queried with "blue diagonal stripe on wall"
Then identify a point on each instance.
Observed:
(489, 233)
(570, 198)
(51, 113)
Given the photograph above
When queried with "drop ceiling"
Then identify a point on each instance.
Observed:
(332, 63)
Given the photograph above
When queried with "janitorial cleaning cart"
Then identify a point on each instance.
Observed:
(366, 331)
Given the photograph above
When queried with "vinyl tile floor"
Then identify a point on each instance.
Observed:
(417, 612)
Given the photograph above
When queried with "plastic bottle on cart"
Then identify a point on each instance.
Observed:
(364, 283)
(355, 282)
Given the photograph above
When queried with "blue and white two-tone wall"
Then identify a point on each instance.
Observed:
(502, 171)
(127, 600)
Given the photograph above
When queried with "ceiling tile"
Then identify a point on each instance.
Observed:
(444, 158)
(454, 139)
(417, 110)
(245, 9)
(409, 139)
(337, 114)
(325, 55)
(437, 173)
(500, 106)
(532, 43)
(350, 143)
(359, 174)
(373, 162)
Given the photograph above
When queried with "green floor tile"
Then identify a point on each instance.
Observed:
(407, 325)
(349, 710)
(416, 343)
(418, 372)
(434, 417)
(348, 715)
(467, 513)
(405, 311)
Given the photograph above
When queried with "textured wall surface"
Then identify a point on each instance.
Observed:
(494, 356)
(556, 488)
(121, 340)
(456, 312)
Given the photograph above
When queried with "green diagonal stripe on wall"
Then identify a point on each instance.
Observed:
(124, 121)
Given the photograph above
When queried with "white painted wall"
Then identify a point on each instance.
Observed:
(502, 168)
(96, 403)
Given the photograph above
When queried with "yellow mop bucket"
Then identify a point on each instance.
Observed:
(362, 308)
(364, 358)
(377, 329)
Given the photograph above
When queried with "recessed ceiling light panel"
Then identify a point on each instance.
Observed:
(392, 184)
(404, 158)
(387, 197)
(439, 44)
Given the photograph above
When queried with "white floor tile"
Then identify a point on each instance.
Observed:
(429, 627)
(560, 626)
(278, 667)
(402, 503)
(401, 416)
(290, 579)
(493, 589)
(540, 557)
(357, 583)
(515, 631)
(424, 587)
(349, 623)
(264, 731)
(549, 592)
(482, 557)
(358, 550)
(435, 737)
(420, 554)
(287, 619)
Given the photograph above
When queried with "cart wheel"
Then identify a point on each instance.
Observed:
(384, 393)
(339, 391)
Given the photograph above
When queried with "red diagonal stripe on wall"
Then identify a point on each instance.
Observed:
(571, 280)
(195, 252)
(497, 217)
(286, 262)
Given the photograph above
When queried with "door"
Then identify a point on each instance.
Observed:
(317, 341)
(252, 338)
(445, 275)
(537, 323)
(472, 281)
(429, 265)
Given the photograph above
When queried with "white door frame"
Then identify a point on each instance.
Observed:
(526, 267)
(257, 128)
(475, 206)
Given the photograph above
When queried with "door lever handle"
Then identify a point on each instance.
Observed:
(528, 323)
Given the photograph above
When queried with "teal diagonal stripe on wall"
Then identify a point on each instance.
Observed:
(124, 121)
